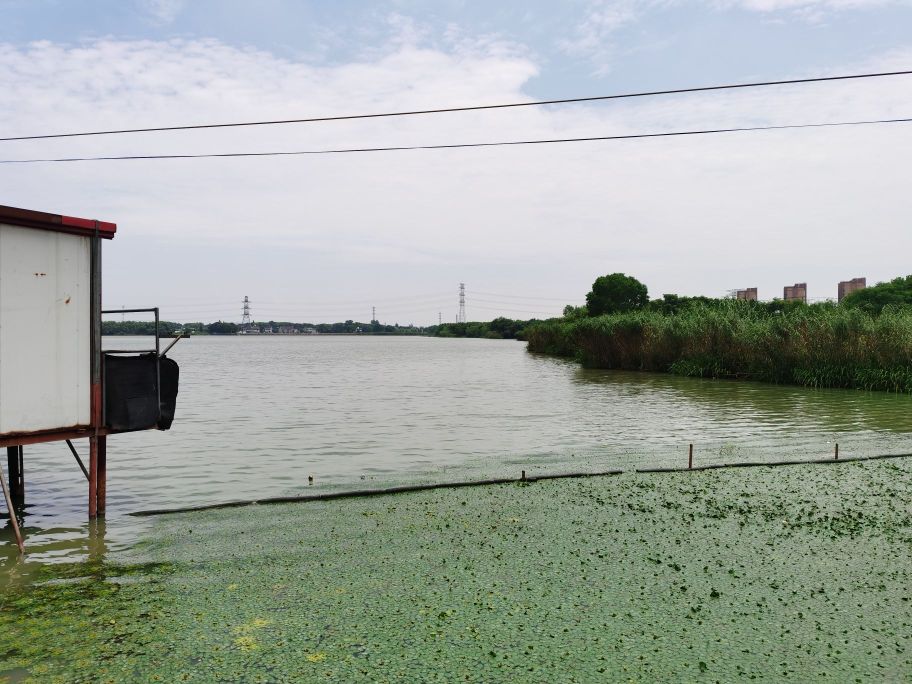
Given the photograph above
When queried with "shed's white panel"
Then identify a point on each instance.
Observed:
(45, 330)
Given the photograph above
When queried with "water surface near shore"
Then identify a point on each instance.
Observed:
(257, 415)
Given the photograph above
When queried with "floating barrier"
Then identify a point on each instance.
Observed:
(524, 478)
(355, 493)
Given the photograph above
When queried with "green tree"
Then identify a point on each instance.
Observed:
(616, 293)
(222, 328)
(897, 292)
(572, 313)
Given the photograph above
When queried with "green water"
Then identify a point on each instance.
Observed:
(797, 573)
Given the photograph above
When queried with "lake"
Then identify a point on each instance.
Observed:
(257, 415)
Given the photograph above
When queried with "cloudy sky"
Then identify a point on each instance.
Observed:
(322, 238)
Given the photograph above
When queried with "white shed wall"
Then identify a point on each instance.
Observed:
(45, 330)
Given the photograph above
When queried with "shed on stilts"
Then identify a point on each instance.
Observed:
(56, 381)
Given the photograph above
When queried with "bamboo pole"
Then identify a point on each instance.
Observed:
(12, 513)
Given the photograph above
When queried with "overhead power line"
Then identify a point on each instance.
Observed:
(503, 143)
(507, 309)
(533, 297)
(472, 108)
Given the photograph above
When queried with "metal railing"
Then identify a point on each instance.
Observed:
(155, 351)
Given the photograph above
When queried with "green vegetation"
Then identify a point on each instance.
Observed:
(799, 573)
(498, 329)
(616, 293)
(897, 292)
(167, 328)
(820, 345)
(372, 328)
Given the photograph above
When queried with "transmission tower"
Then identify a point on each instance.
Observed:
(373, 314)
(245, 318)
(461, 316)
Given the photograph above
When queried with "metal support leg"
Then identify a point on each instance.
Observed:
(93, 477)
(12, 514)
(102, 483)
(16, 475)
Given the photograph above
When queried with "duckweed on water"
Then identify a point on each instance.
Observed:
(795, 573)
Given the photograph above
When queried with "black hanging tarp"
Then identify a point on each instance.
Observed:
(169, 374)
(131, 392)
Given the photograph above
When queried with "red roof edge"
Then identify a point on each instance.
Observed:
(57, 222)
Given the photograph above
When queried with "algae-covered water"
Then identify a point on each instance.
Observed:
(796, 573)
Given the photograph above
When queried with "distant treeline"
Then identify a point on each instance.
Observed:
(168, 328)
(165, 328)
(864, 342)
(498, 329)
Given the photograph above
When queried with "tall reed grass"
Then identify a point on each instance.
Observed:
(814, 346)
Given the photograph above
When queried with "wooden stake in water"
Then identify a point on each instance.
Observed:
(690, 457)
(12, 514)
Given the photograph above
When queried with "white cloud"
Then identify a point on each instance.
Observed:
(162, 11)
(810, 11)
(595, 37)
(777, 5)
(689, 215)
(592, 38)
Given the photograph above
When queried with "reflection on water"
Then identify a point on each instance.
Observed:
(85, 542)
(746, 404)
(256, 416)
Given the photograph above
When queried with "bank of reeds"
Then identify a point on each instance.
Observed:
(814, 346)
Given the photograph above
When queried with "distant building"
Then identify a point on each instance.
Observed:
(847, 287)
(750, 294)
(287, 330)
(795, 293)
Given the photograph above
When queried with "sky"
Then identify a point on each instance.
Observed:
(526, 228)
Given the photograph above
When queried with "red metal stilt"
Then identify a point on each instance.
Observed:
(101, 486)
(93, 477)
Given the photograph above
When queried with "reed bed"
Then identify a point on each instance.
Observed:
(812, 346)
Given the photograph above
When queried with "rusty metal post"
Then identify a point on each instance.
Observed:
(21, 475)
(690, 457)
(16, 474)
(101, 486)
(96, 393)
(93, 477)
